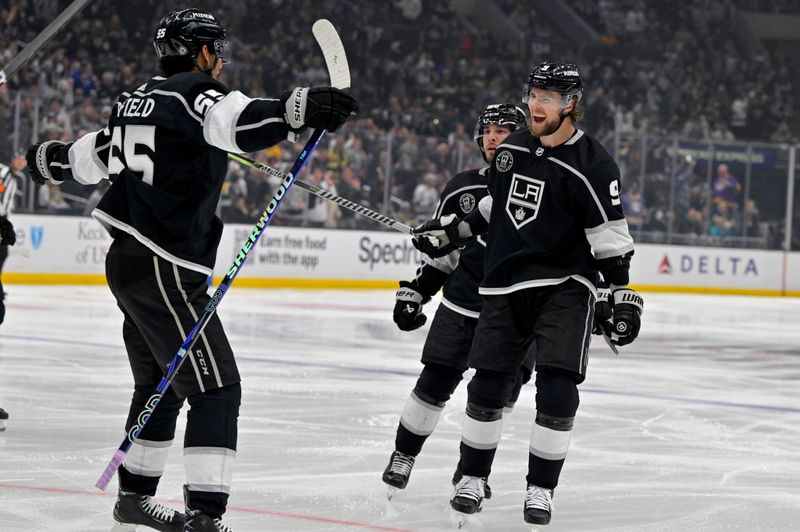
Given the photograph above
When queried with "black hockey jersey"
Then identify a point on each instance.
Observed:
(464, 269)
(556, 213)
(165, 151)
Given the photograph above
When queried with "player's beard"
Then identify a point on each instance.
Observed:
(549, 127)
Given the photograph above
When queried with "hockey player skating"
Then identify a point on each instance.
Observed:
(446, 350)
(556, 220)
(165, 151)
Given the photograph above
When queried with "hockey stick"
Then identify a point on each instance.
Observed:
(40, 40)
(327, 38)
(347, 204)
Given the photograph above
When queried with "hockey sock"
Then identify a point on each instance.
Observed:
(210, 448)
(556, 405)
(147, 457)
(488, 392)
(421, 412)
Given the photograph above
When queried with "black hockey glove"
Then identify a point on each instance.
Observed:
(39, 157)
(408, 307)
(318, 107)
(603, 315)
(8, 237)
(440, 236)
(627, 307)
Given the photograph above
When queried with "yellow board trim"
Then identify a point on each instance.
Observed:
(359, 284)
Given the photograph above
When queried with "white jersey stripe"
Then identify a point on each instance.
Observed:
(87, 169)
(514, 147)
(219, 126)
(177, 322)
(535, 283)
(460, 310)
(110, 221)
(442, 202)
(611, 239)
(585, 182)
(210, 353)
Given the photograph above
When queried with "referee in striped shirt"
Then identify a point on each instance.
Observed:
(8, 189)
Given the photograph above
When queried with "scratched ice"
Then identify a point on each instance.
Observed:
(694, 427)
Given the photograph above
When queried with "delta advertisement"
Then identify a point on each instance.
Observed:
(62, 249)
(715, 270)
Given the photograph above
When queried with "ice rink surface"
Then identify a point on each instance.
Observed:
(695, 427)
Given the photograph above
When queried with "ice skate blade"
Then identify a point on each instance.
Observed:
(124, 527)
(464, 521)
(536, 528)
(390, 491)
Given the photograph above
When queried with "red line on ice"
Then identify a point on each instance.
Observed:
(285, 515)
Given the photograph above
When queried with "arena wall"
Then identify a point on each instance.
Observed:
(71, 250)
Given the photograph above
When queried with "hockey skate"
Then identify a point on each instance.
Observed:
(132, 510)
(398, 471)
(457, 477)
(468, 497)
(538, 506)
(3, 419)
(199, 522)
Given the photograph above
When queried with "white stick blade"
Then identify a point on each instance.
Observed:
(333, 51)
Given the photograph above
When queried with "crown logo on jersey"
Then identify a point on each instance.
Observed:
(504, 161)
(524, 199)
(466, 202)
(539, 151)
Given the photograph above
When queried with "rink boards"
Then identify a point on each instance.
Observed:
(71, 250)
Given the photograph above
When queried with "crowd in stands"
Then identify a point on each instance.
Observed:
(422, 73)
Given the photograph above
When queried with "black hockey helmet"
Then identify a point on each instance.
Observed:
(183, 33)
(504, 114)
(556, 76)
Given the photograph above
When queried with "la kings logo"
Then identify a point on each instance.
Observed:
(524, 199)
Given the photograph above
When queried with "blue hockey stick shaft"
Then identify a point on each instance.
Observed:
(211, 307)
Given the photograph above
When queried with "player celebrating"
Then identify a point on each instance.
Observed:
(556, 221)
(165, 151)
(445, 355)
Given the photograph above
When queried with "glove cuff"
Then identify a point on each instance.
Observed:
(295, 107)
(412, 291)
(42, 160)
(626, 296)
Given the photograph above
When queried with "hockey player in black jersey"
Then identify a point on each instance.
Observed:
(165, 152)
(446, 350)
(554, 220)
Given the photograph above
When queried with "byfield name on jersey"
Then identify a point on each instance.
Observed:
(135, 107)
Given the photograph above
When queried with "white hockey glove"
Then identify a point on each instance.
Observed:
(440, 236)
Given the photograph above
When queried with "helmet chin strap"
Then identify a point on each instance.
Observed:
(207, 71)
